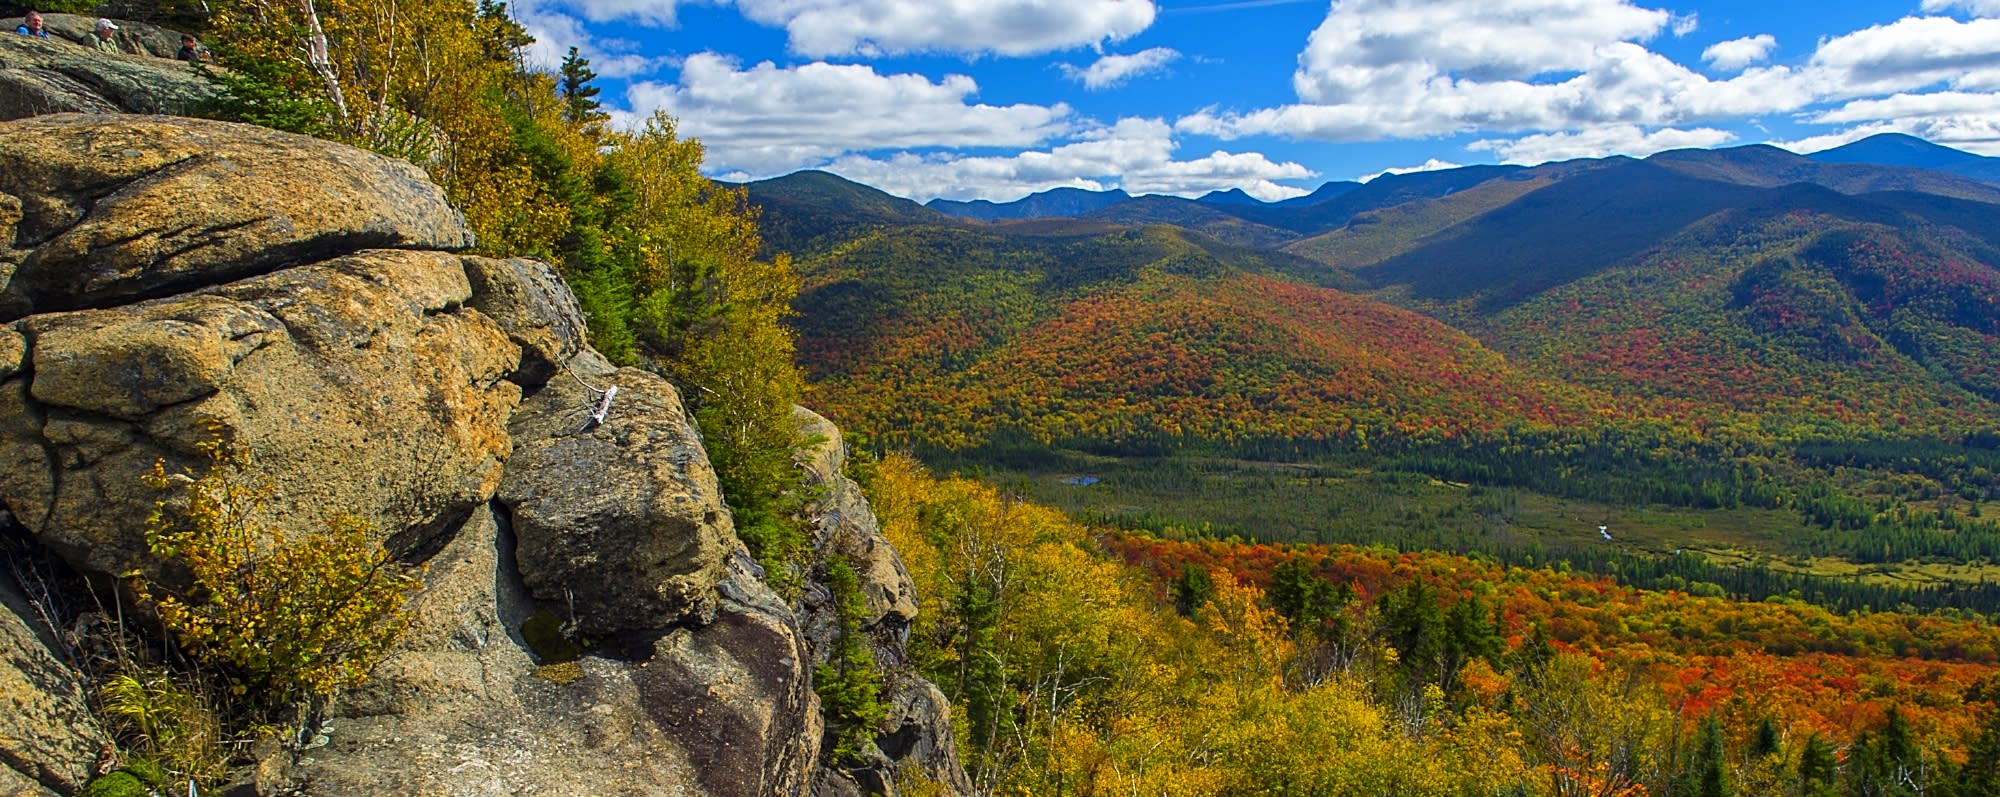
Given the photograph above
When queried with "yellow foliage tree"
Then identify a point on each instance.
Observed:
(285, 616)
(1109, 692)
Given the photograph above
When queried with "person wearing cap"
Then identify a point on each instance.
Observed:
(191, 49)
(32, 26)
(104, 42)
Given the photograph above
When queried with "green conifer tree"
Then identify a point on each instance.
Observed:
(1191, 590)
(1767, 738)
(500, 37)
(848, 683)
(1304, 598)
(580, 105)
(1817, 767)
(1981, 774)
(1708, 772)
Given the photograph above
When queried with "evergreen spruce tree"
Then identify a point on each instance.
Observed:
(580, 105)
(1303, 597)
(848, 683)
(1708, 774)
(1817, 766)
(1981, 774)
(1191, 590)
(982, 674)
(499, 36)
(1767, 738)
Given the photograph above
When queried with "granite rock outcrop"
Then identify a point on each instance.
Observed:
(61, 75)
(165, 279)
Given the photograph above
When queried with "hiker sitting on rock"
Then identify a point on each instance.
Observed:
(32, 26)
(191, 49)
(104, 43)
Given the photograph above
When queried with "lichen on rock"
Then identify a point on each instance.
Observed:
(161, 278)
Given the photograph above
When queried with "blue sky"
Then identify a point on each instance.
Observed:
(997, 99)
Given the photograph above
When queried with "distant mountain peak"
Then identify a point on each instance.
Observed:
(1897, 149)
(1233, 196)
(1894, 149)
(1063, 201)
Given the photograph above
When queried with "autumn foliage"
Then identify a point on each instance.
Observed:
(1072, 672)
(285, 614)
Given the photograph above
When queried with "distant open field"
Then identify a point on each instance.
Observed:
(1221, 498)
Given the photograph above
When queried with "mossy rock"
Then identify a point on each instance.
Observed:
(545, 637)
(137, 779)
(117, 783)
(563, 674)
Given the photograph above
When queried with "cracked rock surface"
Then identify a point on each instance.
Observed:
(162, 278)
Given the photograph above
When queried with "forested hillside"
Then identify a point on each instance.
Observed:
(1688, 349)
(1620, 477)
(1223, 668)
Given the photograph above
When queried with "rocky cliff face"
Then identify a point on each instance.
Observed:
(163, 276)
(61, 74)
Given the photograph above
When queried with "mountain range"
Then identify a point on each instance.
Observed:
(1882, 149)
(1747, 293)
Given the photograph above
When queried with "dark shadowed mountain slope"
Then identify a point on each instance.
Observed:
(805, 206)
(1233, 196)
(1896, 149)
(1323, 193)
(1382, 192)
(1764, 165)
(1053, 202)
(1371, 236)
(1593, 220)
(1223, 222)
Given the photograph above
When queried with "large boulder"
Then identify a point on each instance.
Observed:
(621, 520)
(47, 76)
(360, 385)
(125, 208)
(467, 708)
(166, 280)
(134, 38)
(48, 738)
(528, 300)
(917, 732)
(844, 525)
(736, 694)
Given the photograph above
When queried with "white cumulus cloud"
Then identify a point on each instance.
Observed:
(1546, 79)
(1736, 54)
(556, 32)
(1007, 27)
(1431, 165)
(1906, 106)
(650, 12)
(1910, 53)
(1978, 8)
(1134, 154)
(1378, 69)
(767, 120)
(1367, 48)
(1598, 142)
(1112, 71)
(869, 28)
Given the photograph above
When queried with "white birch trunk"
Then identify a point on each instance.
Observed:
(320, 59)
